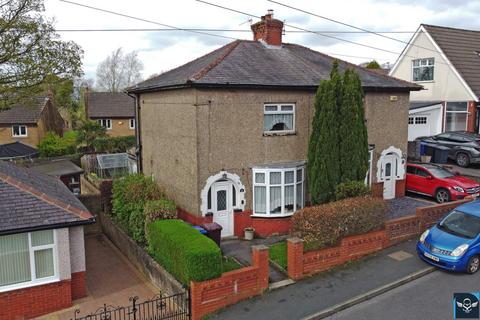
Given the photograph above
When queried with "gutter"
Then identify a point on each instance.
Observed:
(47, 227)
(138, 149)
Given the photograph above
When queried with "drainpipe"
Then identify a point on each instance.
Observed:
(138, 150)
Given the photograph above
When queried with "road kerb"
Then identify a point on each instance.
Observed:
(368, 295)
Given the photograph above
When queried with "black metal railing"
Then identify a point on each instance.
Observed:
(174, 307)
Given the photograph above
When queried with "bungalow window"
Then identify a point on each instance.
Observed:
(107, 123)
(278, 191)
(132, 124)
(422, 69)
(19, 131)
(456, 116)
(278, 118)
(27, 258)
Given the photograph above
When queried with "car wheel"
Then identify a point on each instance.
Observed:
(463, 160)
(473, 264)
(442, 196)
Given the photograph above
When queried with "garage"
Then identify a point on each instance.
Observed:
(424, 119)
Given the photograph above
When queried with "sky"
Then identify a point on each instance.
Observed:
(164, 50)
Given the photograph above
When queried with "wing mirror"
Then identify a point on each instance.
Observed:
(429, 178)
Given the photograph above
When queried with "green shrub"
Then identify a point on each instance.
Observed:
(159, 210)
(326, 224)
(129, 195)
(183, 251)
(52, 145)
(114, 144)
(351, 189)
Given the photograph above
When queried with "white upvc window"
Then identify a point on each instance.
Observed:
(278, 191)
(423, 69)
(19, 130)
(131, 124)
(456, 115)
(107, 123)
(278, 118)
(28, 259)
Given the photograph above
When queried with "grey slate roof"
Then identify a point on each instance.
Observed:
(58, 168)
(31, 200)
(422, 104)
(462, 48)
(24, 114)
(253, 64)
(16, 150)
(110, 105)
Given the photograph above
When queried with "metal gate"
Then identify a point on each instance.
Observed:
(174, 307)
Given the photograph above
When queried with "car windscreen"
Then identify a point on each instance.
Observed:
(461, 224)
(440, 173)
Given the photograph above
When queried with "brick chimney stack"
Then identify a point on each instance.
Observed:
(268, 30)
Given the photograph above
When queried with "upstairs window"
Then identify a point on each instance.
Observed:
(107, 123)
(132, 124)
(19, 131)
(278, 118)
(423, 69)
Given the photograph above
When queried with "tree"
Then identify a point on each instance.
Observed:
(338, 146)
(31, 52)
(373, 65)
(119, 71)
(88, 132)
(352, 130)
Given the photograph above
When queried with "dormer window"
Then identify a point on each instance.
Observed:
(422, 69)
(278, 118)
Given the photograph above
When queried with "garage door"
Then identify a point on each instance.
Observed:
(418, 126)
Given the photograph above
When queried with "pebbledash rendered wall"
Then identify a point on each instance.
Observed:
(189, 135)
(38, 300)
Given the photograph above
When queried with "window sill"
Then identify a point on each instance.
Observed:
(25, 285)
(267, 216)
(279, 133)
(426, 81)
(19, 136)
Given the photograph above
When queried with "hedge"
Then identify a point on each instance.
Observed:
(324, 225)
(351, 189)
(129, 195)
(114, 144)
(183, 251)
(52, 145)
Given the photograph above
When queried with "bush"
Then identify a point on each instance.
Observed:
(114, 144)
(129, 195)
(52, 145)
(326, 224)
(183, 251)
(351, 189)
(160, 210)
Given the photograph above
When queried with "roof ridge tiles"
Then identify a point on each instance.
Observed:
(450, 28)
(227, 50)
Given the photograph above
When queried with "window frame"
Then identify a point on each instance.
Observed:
(130, 121)
(282, 185)
(423, 66)
(34, 280)
(456, 112)
(105, 122)
(20, 135)
(279, 111)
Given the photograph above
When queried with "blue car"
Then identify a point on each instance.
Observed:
(454, 243)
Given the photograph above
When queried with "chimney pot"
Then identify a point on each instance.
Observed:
(268, 30)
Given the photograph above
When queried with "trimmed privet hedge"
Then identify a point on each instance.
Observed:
(129, 195)
(351, 189)
(324, 225)
(183, 251)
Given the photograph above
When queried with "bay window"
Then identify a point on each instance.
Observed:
(27, 258)
(456, 115)
(278, 191)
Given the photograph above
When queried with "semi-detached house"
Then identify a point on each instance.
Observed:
(226, 135)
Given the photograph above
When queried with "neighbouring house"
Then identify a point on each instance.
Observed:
(30, 122)
(65, 170)
(42, 252)
(17, 151)
(113, 110)
(446, 62)
(226, 135)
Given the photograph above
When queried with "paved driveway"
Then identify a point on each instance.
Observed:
(111, 279)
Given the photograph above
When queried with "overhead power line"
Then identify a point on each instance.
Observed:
(350, 25)
(148, 21)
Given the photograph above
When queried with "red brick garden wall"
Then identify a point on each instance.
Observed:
(211, 295)
(35, 301)
(302, 264)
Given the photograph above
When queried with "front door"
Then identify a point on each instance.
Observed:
(388, 167)
(222, 207)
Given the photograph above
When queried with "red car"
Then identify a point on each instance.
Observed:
(440, 183)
